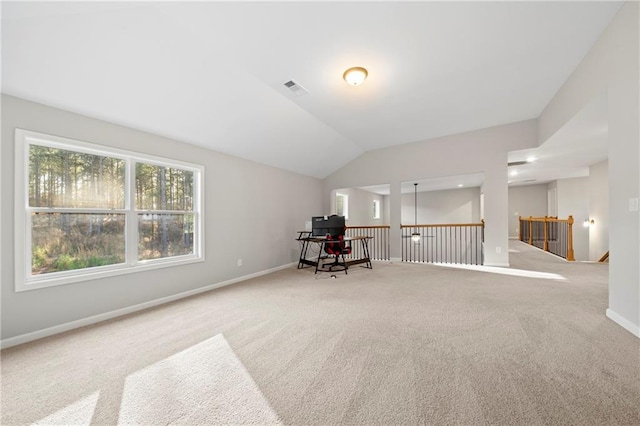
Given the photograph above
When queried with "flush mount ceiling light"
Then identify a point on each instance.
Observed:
(355, 76)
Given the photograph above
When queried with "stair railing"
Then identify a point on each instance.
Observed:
(459, 243)
(379, 248)
(549, 234)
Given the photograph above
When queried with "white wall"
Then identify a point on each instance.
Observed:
(361, 207)
(612, 65)
(599, 210)
(252, 212)
(573, 200)
(386, 206)
(449, 206)
(526, 201)
(482, 150)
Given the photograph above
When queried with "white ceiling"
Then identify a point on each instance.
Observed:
(568, 153)
(212, 73)
(470, 180)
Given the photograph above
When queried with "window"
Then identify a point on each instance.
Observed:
(376, 209)
(342, 205)
(88, 211)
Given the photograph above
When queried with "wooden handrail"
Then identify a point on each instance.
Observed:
(369, 227)
(544, 219)
(442, 224)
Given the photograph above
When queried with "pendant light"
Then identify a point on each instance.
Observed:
(415, 236)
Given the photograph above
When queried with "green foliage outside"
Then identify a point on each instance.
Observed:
(63, 242)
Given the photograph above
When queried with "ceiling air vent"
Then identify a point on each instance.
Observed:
(296, 88)
(517, 163)
(529, 180)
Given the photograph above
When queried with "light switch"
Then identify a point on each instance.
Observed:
(633, 204)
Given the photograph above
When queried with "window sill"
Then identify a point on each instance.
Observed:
(105, 272)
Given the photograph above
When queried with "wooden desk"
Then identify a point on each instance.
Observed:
(307, 240)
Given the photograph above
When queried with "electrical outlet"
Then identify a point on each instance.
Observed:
(239, 262)
(633, 204)
(498, 249)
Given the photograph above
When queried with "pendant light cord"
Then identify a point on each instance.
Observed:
(415, 203)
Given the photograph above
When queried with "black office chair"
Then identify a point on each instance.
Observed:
(336, 246)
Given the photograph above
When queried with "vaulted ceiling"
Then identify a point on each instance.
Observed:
(213, 74)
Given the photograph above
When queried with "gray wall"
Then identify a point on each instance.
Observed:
(525, 201)
(387, 209)
(599, 210)
(573, 200)
(448, 206)
(482, 150)
(252, 212)
(612, 66)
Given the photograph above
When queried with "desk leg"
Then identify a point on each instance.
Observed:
(365, 248)
(319, 255)
(303, 253)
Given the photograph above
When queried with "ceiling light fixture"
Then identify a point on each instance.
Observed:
(355, 76)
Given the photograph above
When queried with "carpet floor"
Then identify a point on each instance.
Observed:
(401, 344)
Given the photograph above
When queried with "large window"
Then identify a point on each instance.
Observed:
(87, 211)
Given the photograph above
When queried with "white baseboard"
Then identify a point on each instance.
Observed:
(624, 323)
(500, 264)
(396, 259)
(50, 331)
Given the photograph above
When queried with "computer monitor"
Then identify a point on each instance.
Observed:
(323, 225)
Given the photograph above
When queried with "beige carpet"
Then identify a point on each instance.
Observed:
(402, 344)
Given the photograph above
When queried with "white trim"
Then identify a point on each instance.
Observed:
(88, 274)
(623, 322)
(500, 264)
(71, 325)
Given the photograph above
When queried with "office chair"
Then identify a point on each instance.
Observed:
(336, 246)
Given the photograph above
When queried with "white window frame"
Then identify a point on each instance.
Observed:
(24, 280)
(345, 204)
(376, 209)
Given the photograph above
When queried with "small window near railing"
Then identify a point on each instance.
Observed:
(376, 209)
(342, 205)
